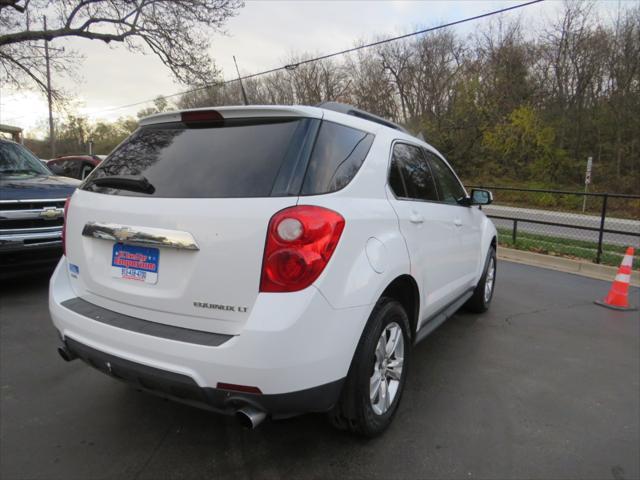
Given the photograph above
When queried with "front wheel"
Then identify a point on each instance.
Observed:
(378, 372)
(483, 293)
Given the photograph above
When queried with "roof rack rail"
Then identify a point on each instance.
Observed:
(350, 110)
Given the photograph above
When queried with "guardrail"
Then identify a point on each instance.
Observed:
(561, 218)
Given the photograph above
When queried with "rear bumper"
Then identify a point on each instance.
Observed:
(183, 389)
(295, 348)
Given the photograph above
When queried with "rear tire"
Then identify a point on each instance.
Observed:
(378, 372)
(483, 293)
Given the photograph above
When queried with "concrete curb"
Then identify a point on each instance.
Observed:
(579, 267)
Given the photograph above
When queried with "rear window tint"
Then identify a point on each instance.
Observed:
(237, 159)
(337, 156)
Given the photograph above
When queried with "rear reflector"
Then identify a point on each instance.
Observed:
(238, 388)
(202, 116)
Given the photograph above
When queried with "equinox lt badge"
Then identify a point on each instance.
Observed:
(215, 306)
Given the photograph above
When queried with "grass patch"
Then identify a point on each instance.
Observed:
(563, 247)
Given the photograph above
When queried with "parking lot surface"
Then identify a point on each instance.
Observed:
(544, 385)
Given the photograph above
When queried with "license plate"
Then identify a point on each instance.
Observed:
(135, 263)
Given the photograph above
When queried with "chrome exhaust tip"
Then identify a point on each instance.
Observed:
(250, 417)
(66, 354)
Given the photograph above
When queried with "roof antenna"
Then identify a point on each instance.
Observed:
(244, 94)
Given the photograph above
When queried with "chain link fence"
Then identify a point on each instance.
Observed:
(594, 226)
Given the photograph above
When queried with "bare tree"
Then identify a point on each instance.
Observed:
(317, 82)
(371, 89)
(177, 31)
(396, 59)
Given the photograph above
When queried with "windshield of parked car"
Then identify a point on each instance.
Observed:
(16, 160)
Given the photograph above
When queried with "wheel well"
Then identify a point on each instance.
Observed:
(404, 289)
(493, 242)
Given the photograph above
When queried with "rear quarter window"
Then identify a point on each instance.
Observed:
(338, 153)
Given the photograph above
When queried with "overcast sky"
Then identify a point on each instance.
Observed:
(261, 36)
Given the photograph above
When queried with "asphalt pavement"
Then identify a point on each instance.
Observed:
(544, 385)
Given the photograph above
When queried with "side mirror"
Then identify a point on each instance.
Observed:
(481, 197)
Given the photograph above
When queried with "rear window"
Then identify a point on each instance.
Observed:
(239, 158)
(234, 160)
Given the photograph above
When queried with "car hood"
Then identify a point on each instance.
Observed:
(36, 187)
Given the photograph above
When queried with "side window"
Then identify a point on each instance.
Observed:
(450, 189)
(337, 156)
(73, 168)
(66, 168)
(54, 167)
(410, 175)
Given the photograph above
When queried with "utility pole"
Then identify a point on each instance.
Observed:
(52, 138)
(244, 94)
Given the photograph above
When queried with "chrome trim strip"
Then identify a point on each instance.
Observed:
(19, 237)
(144, 236)
(35, 200)
(8, 231)
(46, 213)
(35, 239)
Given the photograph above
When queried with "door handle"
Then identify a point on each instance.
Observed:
(457, 222)
(416, 218)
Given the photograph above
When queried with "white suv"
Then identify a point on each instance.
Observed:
(269, 260)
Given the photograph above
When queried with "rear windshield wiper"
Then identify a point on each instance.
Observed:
(134, 183)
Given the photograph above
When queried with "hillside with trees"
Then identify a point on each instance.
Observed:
(507, 105)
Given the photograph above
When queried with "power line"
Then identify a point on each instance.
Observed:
(334, 54)
(330, 55)
(387, 40)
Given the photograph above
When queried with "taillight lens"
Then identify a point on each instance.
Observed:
(300, 242)
(64, 227)
(201, 116)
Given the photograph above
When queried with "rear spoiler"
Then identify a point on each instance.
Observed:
(252, 111)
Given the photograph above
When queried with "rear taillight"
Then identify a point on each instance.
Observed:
(64, 227)
(300, 242)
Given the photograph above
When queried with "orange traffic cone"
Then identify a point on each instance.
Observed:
(618, 297)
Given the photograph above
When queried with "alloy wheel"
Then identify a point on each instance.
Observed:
(387, 368)
(489, 280)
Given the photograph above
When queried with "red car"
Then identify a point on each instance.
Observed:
(74, 166)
